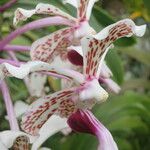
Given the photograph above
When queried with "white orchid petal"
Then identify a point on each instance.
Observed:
(89, 8)
(20, 108)
(71, 2)
(35, 83)
(52, 126)
(41, 8)
(35, 66)
(2, 146)
(42, 109)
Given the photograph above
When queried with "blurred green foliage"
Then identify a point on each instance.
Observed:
(127, 115)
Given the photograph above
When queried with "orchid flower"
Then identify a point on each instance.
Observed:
(16, 139)
(87, 91)
(56, 44)
(57, 53)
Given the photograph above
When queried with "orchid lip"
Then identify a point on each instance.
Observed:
(85, 122)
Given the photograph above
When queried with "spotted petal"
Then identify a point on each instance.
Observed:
(41, 8)
(75, 55)
(42, 109)
(82, 8)
(85, 8)
(55, 44)
(95, 47)
(36, 66)
(16, 139)
(21, 142)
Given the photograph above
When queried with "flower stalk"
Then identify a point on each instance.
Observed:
(7, 5)
(9, 106)
(16, 48)
(34, 25)
(12, 62)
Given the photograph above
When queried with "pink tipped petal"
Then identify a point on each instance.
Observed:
(37, 66)
(83, 29)
(22, 14)
(85, 121)
(95, 47)
(55, 44)
(113, 86)
(42, 109)
(105, 71)
(53, 125)
(93, 90)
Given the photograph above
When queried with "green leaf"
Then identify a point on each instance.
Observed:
(115, 63)
(102, 16)
(54, 84)
(136, 84)
(124, 42)
(142, 56)
(147, 4)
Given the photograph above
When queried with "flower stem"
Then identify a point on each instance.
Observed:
(16, 48)
(35, 25)
(7, 5)
(12, 62)
(54, 75)
(9, 106)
